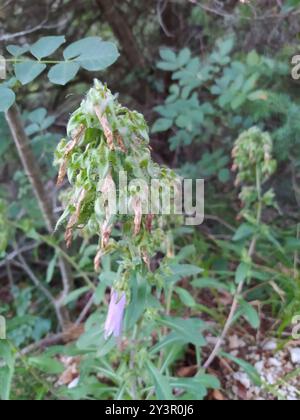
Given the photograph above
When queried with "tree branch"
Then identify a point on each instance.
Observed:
(123, 32)
(8, 37)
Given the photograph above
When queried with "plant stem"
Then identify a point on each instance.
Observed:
(240, 288)
(165, 329)
(296, 256)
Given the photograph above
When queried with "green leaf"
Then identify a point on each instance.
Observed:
(38, 115)
(99, 293)
(224, 175)
(2, 327)
(168, 341)
(62, 73)
(46, 364)
(167, 54)
(258, 95)
(167, 66)
(292, 244)
(185, 270)
(162, 124)
(197, 386)
(189, 330)
(93, 339)
(139, 292)
(251, 315)
(243, 232)
(7, 362)
(47, 122)
(92, 53)
(16, 50)
(184, 57)
(242, 272)
(185, 297)
(161, 383)
(249, 369)
(191, 385)
(209, 381)
(226, 45)
(73, 296)
(250, 83)
(7, 98)
(186, 252)
(208, 283)
(50, 269)
(46, 46)
(253, 58)
(238, 101)
(32, 129)
(26, 72)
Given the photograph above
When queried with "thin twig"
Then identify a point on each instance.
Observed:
(6, 4)
(85, 311)
(23, 264)
(16, 252)
(296, 256)
(252, 18)
(230, 316)
(240, 288)
(8, 37)
(221, 221)
(160, 8)
(46, 342)
(9, 275)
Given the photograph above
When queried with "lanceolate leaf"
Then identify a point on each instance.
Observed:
(7, 361)
(247, 367)
(162, 385)
(242, 272)
(26, 72)
(188, 330)
(46, 46)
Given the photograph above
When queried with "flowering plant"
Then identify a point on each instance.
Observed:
(108, 140)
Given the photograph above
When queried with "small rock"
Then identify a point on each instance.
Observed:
(243, 378)
(270, 379)
(213, 340)
(270, 345)
(233, 342)
(295, 356)
(259, 366)
(274, 362)
(74, 383)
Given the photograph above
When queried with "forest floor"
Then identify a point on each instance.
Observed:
(278, 367)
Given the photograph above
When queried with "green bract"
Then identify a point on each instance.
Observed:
(253, 150)
(106, 140)
(253, 160)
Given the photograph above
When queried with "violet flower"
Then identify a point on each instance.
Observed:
(114, 320)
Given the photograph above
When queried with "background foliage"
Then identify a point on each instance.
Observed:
(203, 73)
